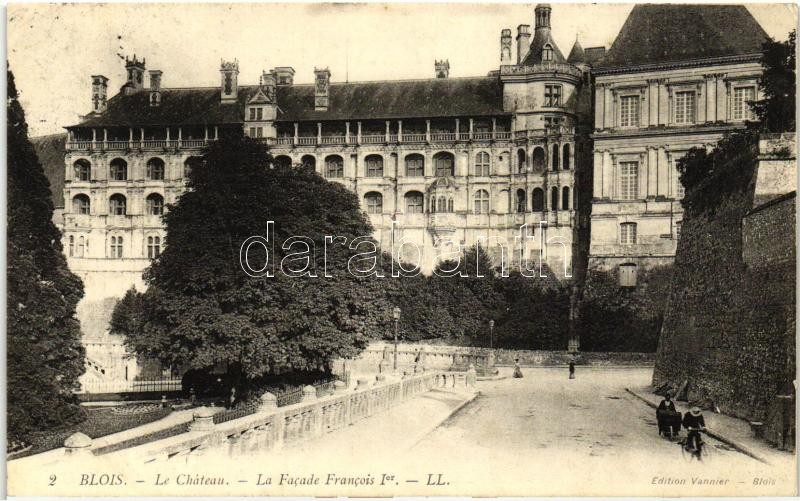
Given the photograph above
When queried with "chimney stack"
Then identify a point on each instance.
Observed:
(99, 93)
(442, 68)
(155, 87)
(523, 41)
(268, 84)
(505, 46)
(284, 74)
(322, 85)
(229, 74)
(135, 69)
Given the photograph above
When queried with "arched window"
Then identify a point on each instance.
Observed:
(79, 250)
(118, 170)
(374, 165)
(283, 161)
(555, 157)
(521, 200)
(81, 204)
(189, 164)
(566, 157)
(554, 198)
(117, 205)
(547, 53)
(450, 204)
(71, 245)
(414, 202)
(334, 166)
(155, 169)
(309, 161)
(538, 159)
(432, 202)
(482, 164)
(538, 200)
(155, 204)
(415, 165)
(153, 246)
(374, 202)
(444, 163)
(521, 161)
(83, 170)
(441, 205)
(481, 202)
(116, 247)
(565, 198)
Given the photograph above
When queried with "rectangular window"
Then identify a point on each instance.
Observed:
(259, 132)
(552, 95)
(684, 107)
(741, 96)
(627, 233)
(252, 132)
(550, 122)
(259, 113)
(252, 113)
(629, 111)
(628, 180)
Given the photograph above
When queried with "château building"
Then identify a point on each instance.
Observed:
(554, 144)
(676, 77)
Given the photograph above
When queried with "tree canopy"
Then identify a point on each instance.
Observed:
(45, 355)
(776, 112)
(201, 308)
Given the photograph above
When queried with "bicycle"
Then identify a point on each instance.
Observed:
(701, 452)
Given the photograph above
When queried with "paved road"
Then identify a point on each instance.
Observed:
(547, 434)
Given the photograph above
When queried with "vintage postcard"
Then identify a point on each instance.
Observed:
(399, 249)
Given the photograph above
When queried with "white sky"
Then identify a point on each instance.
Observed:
(53, 49)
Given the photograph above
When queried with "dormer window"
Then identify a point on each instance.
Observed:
(547, 53)
(256, 113)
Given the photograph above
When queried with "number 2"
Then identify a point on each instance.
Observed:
(52, 480)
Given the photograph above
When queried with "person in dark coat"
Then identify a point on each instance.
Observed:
(517, 370)
(669, 419)
(572, 370)
(693, 422)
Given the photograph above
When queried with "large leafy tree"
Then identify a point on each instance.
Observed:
(201, 308)
(45, 356)
(776, 112)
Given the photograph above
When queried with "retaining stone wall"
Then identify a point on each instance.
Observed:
(729, 326)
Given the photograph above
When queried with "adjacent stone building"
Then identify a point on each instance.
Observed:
(676, 77)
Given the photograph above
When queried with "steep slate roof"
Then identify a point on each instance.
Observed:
(195, 106)
(661, 33)
(541, 37)
(439, 97)
(576, 55)
(51, 151)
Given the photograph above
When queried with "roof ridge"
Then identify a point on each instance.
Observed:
(476, 77)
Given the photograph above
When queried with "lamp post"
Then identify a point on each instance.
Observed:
(396, 315)
(491, 334)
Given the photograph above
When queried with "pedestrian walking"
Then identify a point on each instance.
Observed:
(232, 399)
(572, 370)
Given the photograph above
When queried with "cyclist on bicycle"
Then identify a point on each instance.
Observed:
(693, 422)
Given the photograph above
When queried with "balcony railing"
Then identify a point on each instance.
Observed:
(151, 144)
(393, 138)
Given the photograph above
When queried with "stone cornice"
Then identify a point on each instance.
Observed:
(694, 63)
(665, 131)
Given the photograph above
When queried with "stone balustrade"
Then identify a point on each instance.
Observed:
(273, 427)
